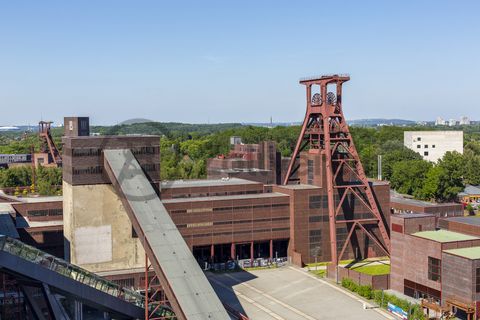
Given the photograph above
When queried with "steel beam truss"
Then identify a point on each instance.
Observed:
(155, 298)
(325, 131)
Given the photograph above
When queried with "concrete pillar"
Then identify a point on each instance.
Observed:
(212, 252)
(271, 249)
(232, 251)
(251, 251)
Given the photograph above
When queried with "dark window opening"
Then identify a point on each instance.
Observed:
(434, 269)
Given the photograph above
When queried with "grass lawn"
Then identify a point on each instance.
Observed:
(377, 269)
(319, 273)
(320, 264)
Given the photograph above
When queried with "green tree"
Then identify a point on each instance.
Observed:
(393, 153)
(408, 176)
(440, 185)
(471, 167)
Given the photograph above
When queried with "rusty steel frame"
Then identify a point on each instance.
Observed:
(153, 298)
(44, 133)
(325, 131)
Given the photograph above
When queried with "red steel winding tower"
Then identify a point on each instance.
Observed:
(325, 131)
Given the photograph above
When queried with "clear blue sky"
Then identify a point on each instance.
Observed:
(235, 61)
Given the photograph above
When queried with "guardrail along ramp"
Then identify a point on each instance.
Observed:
(187, 288)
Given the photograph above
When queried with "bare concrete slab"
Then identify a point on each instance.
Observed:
(289, 293)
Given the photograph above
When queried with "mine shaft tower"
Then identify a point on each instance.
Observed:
(325, 131)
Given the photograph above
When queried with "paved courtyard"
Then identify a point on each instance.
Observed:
(289, 293)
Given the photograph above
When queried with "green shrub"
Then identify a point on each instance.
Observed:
(365, 291)
(382, 298)
(416, 312)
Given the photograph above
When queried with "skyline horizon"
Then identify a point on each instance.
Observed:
(59, 123)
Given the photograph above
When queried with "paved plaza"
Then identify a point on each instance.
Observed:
(289, 293)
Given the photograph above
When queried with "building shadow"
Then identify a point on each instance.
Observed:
(224, 282)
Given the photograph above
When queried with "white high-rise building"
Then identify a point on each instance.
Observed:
(452, 122)
(432, 145)
(440, 121)
(465, 120)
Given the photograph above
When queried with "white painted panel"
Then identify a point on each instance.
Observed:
(99, 238)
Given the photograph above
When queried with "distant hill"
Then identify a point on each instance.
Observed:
(169, 129)
(135, 120)
(381, 122)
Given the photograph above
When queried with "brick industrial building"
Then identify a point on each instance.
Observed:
(257, 162)
(220, 219)
(36, 221)
(442, 265)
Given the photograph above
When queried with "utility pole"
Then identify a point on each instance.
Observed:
(379, 167)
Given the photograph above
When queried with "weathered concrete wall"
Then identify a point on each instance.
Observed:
(94, 217)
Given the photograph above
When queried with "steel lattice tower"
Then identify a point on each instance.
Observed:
(325, 131)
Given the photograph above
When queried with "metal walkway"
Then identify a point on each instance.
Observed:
(188, 290)
(55, 275)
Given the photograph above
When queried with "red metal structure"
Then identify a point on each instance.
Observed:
(325, 131)
(48, 146)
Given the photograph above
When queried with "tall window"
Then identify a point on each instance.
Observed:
(314, 202)
(477, 280)
(310, 172)
(434, 269)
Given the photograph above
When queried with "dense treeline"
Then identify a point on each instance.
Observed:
(185, 149)
(47, 179)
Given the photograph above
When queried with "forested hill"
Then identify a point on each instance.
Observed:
(168, 129)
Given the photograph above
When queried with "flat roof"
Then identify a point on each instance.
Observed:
(412, 215)
(231, 197)
(470, 190)
(125, 136)
(398, 198)
(466, 220)
(472, 253)
(444, 236)
(376, 182)
(14, 199)
(236, 170)
(205, 183)
(41, 199)
(300, 186)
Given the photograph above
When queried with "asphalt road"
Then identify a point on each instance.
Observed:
(289, 293)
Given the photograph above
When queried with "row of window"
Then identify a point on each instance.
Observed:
(213, 194)
(207, 235)
(230, 222)
(425, 146)
(89, 170)
(99, 169)
(239, 208)
(45, 212)
(96, 152)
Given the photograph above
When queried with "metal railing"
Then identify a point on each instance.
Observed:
(76, 273)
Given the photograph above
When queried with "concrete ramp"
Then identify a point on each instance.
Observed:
(188, 290)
